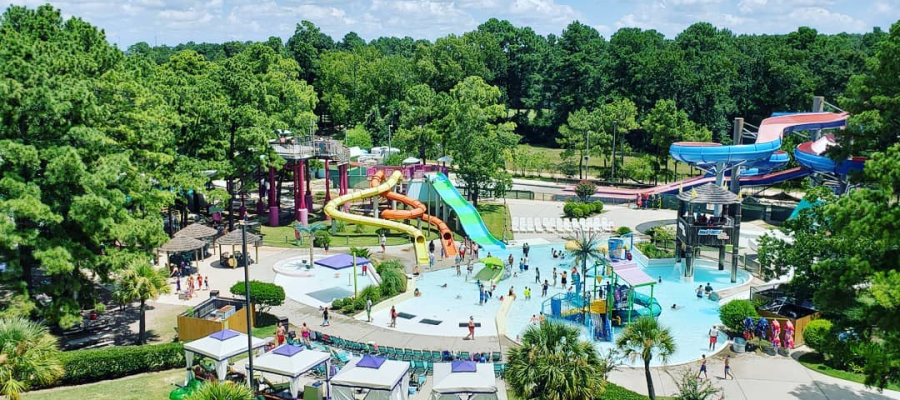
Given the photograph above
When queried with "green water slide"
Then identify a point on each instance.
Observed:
(467, 214)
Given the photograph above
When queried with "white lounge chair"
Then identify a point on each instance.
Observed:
(529, 225)
(538, 227)
(603, 223)
(559, 225)
(514, 224)
(611, 226)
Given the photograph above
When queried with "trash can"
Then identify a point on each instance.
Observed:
(283, 321)
(739, 345)
(213, 294)
(313, 391)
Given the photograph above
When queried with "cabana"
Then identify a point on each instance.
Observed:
(464, 380)
(219, 346)
(182, 244)
(236, 238)
(292, 361)
(384, 379)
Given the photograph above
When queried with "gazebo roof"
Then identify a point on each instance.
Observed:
(235, 237)
(196, 231)
(182, 243)
(709, 193)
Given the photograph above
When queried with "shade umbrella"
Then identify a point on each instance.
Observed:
(444, 160)
(410, 161)
(235, 238)
(492, 261)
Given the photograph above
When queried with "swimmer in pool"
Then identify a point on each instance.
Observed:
(444, 286)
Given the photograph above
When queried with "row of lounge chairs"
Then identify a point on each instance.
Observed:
(561, 225)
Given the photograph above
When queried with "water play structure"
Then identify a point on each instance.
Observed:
(332, 210)
(417, 210)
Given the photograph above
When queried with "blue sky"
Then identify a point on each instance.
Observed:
(176, 21)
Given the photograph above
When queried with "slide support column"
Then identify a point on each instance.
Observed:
(327, 188)
(273, 206)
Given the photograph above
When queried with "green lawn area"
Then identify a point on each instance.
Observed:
(150, 386)
(613, 392)
(494, 216)
(815, 362)
(554, 156)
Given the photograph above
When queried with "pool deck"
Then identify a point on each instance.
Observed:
(758, 377)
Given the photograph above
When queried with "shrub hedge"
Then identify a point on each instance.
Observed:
(816, 335)
(263, 294)
(85, 366)
(577, 209)
(651, 251)
(734, 312)
(393, 282)
(616, 392)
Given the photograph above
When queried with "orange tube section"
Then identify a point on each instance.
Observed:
(418, 211)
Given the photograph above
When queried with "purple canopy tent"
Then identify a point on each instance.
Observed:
(341, 261)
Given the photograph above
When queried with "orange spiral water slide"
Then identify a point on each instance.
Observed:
(417, 211)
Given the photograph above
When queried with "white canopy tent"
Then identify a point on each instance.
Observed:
(464, 380)
(410, 161)
(385, 379)
(292, 361)
(219, 346)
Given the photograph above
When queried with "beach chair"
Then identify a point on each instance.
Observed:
(582, 222)
(498, 369)
(529, 225)
(408, 354)
(496, 356)
(464, 355)
(559, 225)
(550, 224)
(538, 227)
(603, 223)
(418, 355)
(611, 227)
(435, 356)
(514, 225)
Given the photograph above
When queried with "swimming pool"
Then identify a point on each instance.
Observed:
(453, 304)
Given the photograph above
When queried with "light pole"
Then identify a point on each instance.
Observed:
(612, 173)
(247, 299)
(389, 139)
(587, 154)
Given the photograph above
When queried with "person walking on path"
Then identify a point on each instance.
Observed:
(544, 288)
(325, 321)
(703, 367)
(178, 285)
(304, 333)
(554, 277)
(431, 247)
(393, 317)
(713, 337)
(537, 275)
(471, 335)
(728, 368)
(431, 261)
(206, 282)
(383, 243)
(368, 310)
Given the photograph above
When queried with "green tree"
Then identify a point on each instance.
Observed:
(646, 339)
(141, 282)
(420, 111)
(310, 231)
(577, 65)
(584, 190)
(666, 124)
(263, 295)
(358, 136)
(553, 363)
(690, 387)
(73, 203)
(222, 391)
(574, 134)
(307, 43)
(28, 357)
(478, 137)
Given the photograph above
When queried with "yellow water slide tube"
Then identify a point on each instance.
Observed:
(332, 209)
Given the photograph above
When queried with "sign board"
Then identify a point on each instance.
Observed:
(709, 232)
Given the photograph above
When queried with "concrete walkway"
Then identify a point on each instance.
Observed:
(756, 377)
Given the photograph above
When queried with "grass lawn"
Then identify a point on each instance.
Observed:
(613, 392)
(495, 217)
(596, 162)
(815, 362)
(150, 386)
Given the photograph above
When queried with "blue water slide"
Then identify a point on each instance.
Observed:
(807, 156)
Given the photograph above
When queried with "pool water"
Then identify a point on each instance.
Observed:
(457, 301)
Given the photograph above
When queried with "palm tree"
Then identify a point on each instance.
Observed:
(28, 357)
(310, 231)
(646, 338)
(553, 363)
(221, 391)
(584, 246)
(141, 282)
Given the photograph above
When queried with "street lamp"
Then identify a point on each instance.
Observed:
(389, 139)
(612, 173)
(587, 154)
(247, 299)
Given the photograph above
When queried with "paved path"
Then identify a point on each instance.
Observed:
(756, 377)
